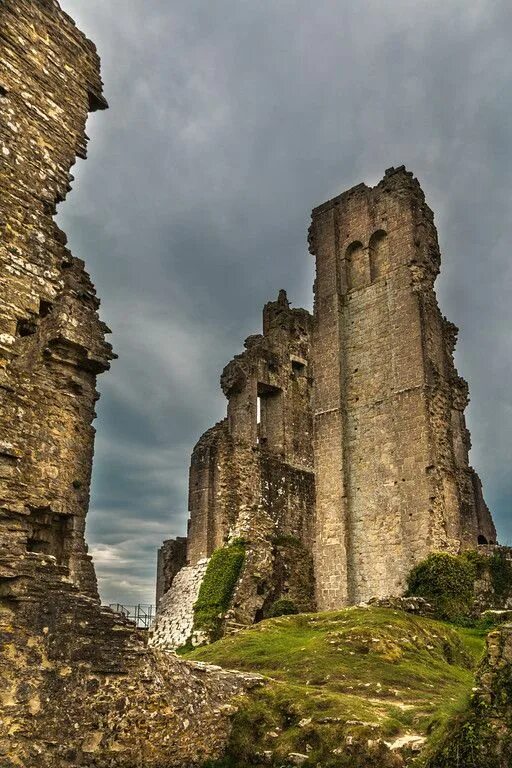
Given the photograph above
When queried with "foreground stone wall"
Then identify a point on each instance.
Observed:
(77, 684)
(393, 480)
(79, 687)
(52, 343)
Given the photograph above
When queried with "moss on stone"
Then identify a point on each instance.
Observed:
(500, 569)
(479, 737)
(217, 588)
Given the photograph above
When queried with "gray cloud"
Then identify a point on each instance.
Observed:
(229, 120)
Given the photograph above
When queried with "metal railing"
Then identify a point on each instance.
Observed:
(141, 614)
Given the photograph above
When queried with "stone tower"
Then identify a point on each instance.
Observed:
(393, 481)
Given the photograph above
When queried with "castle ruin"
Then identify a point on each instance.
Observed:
(329, 445)
(343, 460)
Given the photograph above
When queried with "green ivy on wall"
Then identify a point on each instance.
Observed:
(217, 588)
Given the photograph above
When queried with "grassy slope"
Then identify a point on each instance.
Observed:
(365, 673)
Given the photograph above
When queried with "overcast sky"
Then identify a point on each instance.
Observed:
(229, 120)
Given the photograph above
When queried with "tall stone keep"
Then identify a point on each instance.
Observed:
(392, 476)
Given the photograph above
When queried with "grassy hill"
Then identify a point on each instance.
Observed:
(357, 687)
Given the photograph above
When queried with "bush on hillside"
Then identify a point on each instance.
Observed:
(501, 574)
(447, 582)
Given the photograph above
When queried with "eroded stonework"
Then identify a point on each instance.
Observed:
(251, 475)
(77, 684)
(52, 343)
(391, 446)
(361, 452)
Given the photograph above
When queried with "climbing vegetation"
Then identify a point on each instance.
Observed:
(217, 588)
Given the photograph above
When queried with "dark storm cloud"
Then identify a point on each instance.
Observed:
(228, 122)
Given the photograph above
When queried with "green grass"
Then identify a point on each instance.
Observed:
(368, 673)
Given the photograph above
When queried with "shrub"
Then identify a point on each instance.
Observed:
(282, 607)
(479, 561)
(217, 587)
(501, 575)
(447, 582)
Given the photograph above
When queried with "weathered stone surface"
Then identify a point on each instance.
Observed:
(251, 475)
(393, 481)
(78, 687)
(174, 623)
(172, 556)
(417, 605)
(52, 343)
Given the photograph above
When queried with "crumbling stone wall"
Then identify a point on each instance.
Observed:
(251, 475)
(52, 343)
(79, 687)
(391, 446)
(174, 623)
(269, 482)
(77, 683)
(172, 556)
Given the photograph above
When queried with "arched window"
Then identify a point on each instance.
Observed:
(482, 539)
(357, 271)
(379, 255)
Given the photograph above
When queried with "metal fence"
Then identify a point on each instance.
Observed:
(141, 614)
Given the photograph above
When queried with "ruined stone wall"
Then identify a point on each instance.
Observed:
(52, 343)
(392, 475)
(171, 556)
(251, 475)
(358, 415)
(77, 684)
(268, 425)
(174, 623)
(79, 687)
